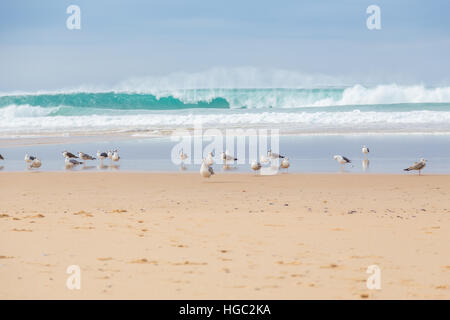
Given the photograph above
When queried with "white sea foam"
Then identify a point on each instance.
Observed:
(29, 120)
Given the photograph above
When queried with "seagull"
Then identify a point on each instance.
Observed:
(365, 151)
(342, 160)
(67, 154)
(70, 163)
(226, 157)
(285, 163)
(115, 156)
(109, 153)
(205, 170)
(1, 157)
(255, 165)
(263, 159)
(273, 155)
(417, 166)
(85, 156)
(183, 156)
(36, 163)
(28, 158)
(102, 155)
(210, 159)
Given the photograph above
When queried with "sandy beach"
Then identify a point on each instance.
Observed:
(235, 236)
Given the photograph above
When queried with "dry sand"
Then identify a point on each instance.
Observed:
(234, 236)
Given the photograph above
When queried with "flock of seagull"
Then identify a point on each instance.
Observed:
(70, 159)
(206, 169)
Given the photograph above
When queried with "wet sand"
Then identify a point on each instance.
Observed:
(238, 236)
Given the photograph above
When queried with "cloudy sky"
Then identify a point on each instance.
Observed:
(323, 40)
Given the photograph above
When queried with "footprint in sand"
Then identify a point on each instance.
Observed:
(104, 259)
(22, 230)
(144, 261)
(83, 213)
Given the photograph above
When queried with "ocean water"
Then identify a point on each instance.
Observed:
(354, 109)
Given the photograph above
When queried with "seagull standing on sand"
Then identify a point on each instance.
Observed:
(67, 154)
(205, 170)
(115, 156)
(110, 153)
(417, 166)
(85, 157)
(365, 151)
(70, 162)
(226, 157)
(183, 156)
(210, 159)
(36, 163)
(102, 156)
(285, 163)
(273, 155)
(263, 159)
(255, 165)
(341, 160)
(28, 158)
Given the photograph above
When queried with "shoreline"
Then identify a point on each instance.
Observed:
(180, 236)
(78, 137)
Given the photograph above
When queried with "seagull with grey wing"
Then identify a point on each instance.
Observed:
(205, 170)
(342, 160)
(273, 155)
(417, 166)
(29, 159)
(70, 162)
(67, 154)
(36, 163)
(85, 157)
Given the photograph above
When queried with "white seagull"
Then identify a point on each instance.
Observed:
(70, 162)
(183, 156)
(226, 157)
(115, 156)
(84, 156)
(28, 158)
(263, 159)
(67, 154)
(365, 151)
(255, 165)
(285, 163)
(273, 155)
(341, 160)
(36, 163)
(210, 159)
(417, 166)
(205, 170)
(102, 155)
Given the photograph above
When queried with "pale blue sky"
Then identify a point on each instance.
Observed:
(125, 39)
